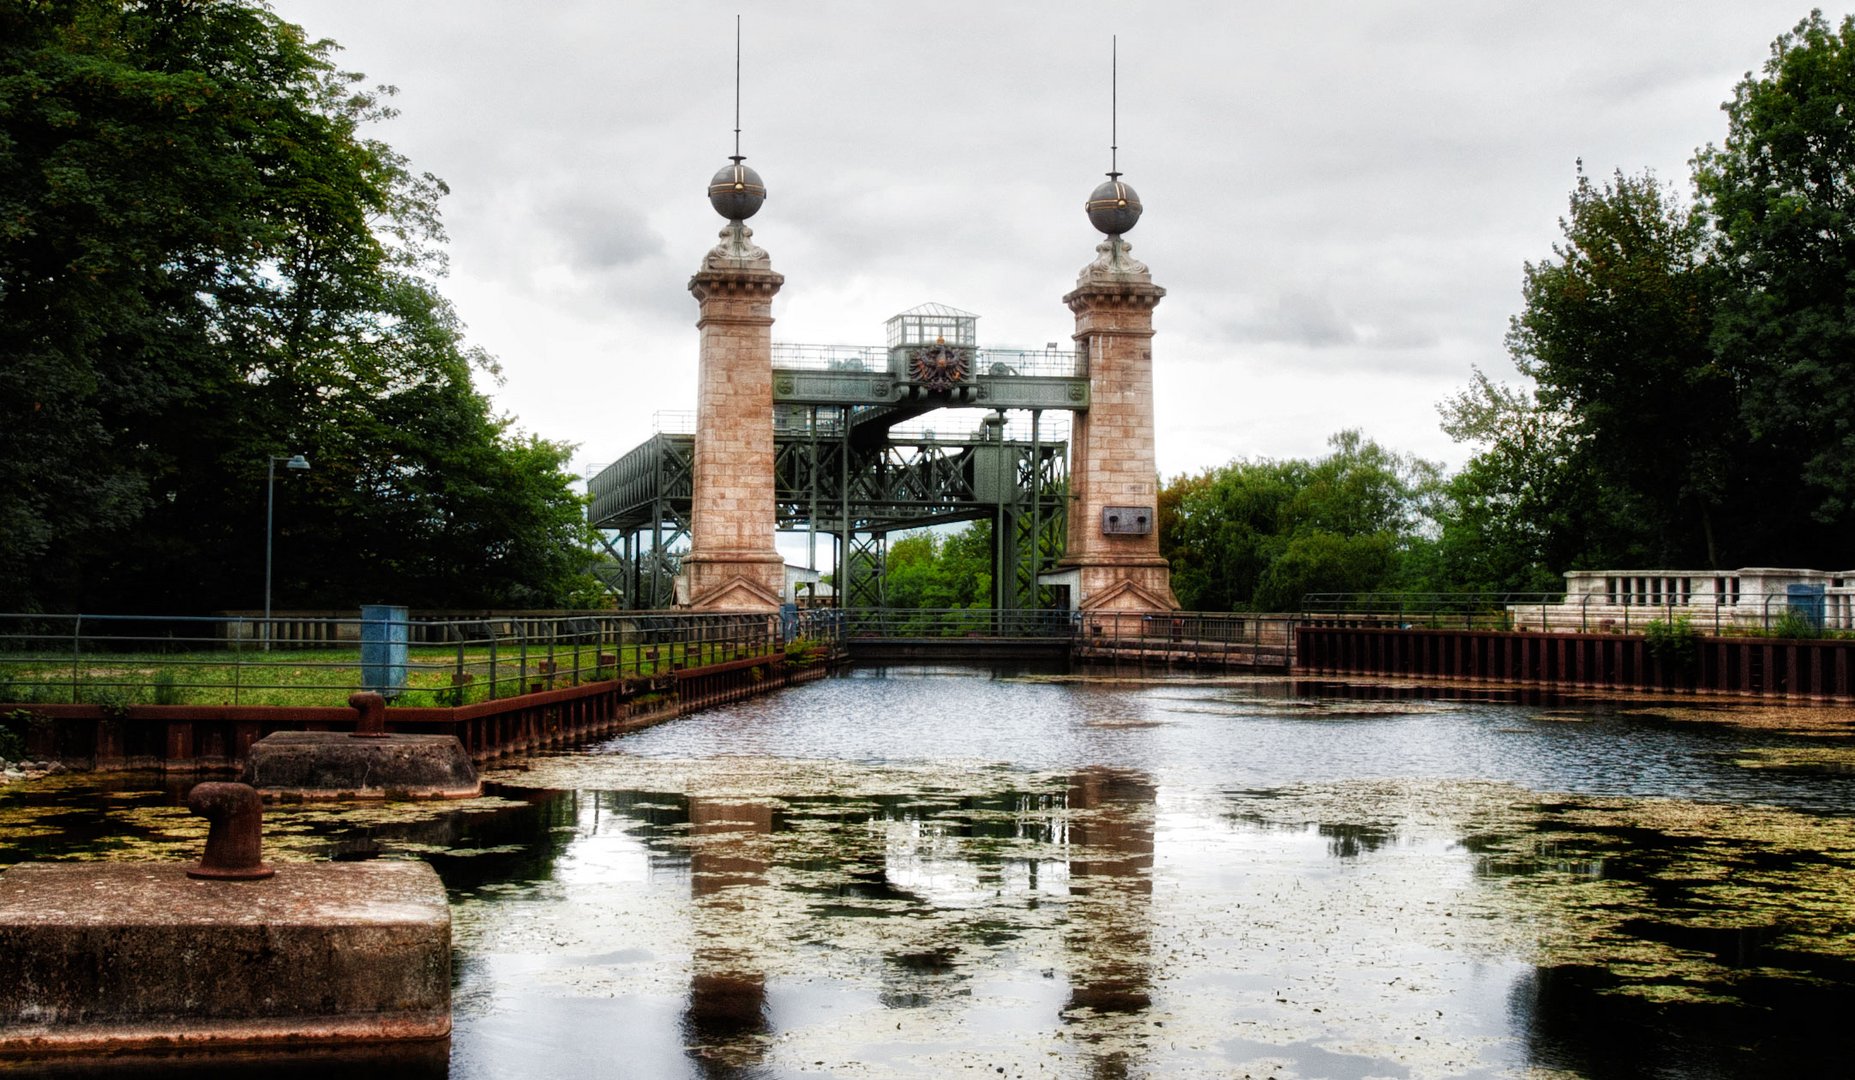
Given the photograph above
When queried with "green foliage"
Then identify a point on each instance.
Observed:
(13, 735)
(1794, 625)
(804, 652)
(113, 700)
(166, 689)
(1779, 194)
(1691, 362)
(928, 569)
(1615, 334)
(1259, 535)
(207, 260)
(1674, 643)
(1503, 515)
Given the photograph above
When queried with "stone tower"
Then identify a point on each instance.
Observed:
(1113, 521)
(732, 563)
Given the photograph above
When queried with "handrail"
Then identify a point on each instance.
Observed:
(123, 660)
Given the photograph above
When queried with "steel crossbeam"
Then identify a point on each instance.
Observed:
(828, 484)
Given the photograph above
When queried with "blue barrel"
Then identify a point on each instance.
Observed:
(1807, 601)
(383, 649)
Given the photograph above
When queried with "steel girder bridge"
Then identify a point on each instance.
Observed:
(844, 471)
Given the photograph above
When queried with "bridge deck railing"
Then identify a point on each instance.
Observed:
(894, 624)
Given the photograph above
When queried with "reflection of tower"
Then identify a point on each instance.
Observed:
(1114, 523)
(733, 564)
(1111, 890)
(725, 1018)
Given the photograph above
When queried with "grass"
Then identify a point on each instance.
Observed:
(435, 675)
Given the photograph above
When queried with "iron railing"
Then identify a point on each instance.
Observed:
(122, 660)
(897, 624)
(1589, 613)
(986, 362)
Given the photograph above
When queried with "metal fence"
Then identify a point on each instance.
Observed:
(1185, 637)
(893, 624)
(1587, 613)
(122, 660)
(1219, 639)
(853, 359)
(1465, 610)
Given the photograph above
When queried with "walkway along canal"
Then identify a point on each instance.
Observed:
(588, 676)
(616, 673)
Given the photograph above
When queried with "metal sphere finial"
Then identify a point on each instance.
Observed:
(736, 192)
(1114, 208)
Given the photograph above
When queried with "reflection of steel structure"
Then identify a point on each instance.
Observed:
(844, 472)
(828, 484)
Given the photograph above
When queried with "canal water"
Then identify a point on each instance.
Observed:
(946, 871)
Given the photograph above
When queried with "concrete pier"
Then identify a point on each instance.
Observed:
(121, 956)
(333, 765)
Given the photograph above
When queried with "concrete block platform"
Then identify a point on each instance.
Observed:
(123, 956)
(330, 765)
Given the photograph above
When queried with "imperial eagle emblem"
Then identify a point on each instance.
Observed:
(938, 366)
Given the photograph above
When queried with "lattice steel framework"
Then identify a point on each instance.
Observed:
(827, 484)
(842, 471)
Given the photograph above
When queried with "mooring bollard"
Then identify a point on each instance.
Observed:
(372, 706)
(235, 841)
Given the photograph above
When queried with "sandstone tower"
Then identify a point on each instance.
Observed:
(732, 563)
(1113, 519)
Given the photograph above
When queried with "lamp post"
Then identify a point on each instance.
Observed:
(300, 464)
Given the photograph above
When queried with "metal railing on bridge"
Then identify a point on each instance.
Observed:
(1191, 638)
(898, 624)
(986, 362)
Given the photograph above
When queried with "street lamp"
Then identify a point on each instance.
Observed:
(298, 463)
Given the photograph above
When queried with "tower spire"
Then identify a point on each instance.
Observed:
(1114, 106)
(737, 158)
(1113, 207)
(736, 192)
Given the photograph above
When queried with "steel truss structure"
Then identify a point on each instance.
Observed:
(830, 482)
(841, 469)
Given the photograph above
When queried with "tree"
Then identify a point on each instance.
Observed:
(1513, 512)
(204, 261)
(1262, 534)
(1615, 333)
(1695, 398)
(927, 569)
(1782, 193)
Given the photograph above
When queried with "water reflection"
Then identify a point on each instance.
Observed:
(1572, 1020)
(933, 874)
(1349, 841)
(1109, 936)
(725, 1019)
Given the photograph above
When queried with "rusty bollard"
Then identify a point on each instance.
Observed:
(235, 842)
(372, 724)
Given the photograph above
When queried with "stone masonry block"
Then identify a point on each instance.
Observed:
(126, 955)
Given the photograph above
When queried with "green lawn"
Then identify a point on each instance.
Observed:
(435, 675)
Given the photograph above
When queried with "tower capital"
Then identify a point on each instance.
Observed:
(1113, 296)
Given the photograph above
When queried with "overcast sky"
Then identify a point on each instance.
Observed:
(1339, 195)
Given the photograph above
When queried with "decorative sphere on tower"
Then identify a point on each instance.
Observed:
(736, 192)
(1114, 208)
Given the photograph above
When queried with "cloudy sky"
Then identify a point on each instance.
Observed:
(1339, 195)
